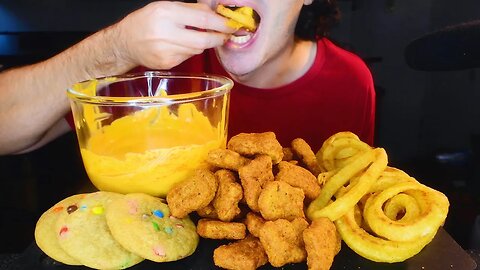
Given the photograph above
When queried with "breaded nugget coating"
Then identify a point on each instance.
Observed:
(208, 212)
(322, 243)
(254, 223)
(245, 254)
(301, 148)
(215, 229)
(283, 241)
(229, 193)
(299, 177)
(227, 159)
(192, 194)
(287, 154)
(281, 200)
(253, 177)
(251, 144)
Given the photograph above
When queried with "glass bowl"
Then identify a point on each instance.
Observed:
(145, 132)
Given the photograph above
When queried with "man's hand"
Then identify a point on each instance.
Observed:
(163, 34)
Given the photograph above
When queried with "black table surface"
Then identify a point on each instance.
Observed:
(442, 253)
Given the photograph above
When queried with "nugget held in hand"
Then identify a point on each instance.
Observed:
(192, 194)
(227, 159)
(299, 177)
(322, 243)
(251, 144)
(283, 241)
(242, 17)
(253, 177)
(245, 254)
(229, 193)
(281, 200)
(215, 229)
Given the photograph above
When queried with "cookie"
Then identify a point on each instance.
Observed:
(45, 234)
(84, 235)
(144, 225)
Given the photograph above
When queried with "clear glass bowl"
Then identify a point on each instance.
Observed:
(145, 132)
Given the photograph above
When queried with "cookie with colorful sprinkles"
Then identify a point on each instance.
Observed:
(45, 235)
(144, 225)
(85, 235)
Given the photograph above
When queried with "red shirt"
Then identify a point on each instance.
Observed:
(336, 94)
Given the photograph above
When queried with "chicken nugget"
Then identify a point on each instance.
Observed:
(226, 159)
(229, 193)
(283, 241)
(251, 144)
(254, 223)
(253, 177)
(322, 243)
(301, 148)
(299, 177)
(215, 229)
(208, 212)
(192, 194)
(245, 254)
(287, 154)
(281, 200)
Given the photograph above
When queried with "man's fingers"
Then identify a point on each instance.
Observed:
(200, 40)
(202, 17)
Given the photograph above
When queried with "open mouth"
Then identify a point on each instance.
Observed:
(245, 19)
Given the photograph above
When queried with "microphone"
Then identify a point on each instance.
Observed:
(456, 47)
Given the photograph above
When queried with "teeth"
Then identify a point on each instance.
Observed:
(240, 39)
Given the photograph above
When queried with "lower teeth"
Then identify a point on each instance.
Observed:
(240, 39)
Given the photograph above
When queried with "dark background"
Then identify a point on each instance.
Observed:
(429, 122)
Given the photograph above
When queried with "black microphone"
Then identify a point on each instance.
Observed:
(456, 47)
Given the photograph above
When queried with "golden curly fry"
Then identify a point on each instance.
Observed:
(433, 206)
(340, 149)
(374, 161)
(394, 218)
(402, 207)
(375, 248)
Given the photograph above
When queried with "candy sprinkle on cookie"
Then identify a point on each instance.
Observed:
(84, 234)
(45, 235)
(144, 225)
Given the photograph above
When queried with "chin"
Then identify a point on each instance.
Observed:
(238, 68)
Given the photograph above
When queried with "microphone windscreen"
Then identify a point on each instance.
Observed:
(453, 48)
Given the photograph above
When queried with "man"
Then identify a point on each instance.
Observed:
(289, 79)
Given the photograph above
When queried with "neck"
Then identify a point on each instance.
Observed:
(284, 68)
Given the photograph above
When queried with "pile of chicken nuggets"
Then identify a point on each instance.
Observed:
(254, 193)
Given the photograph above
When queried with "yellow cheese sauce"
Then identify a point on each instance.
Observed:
(150, 150)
